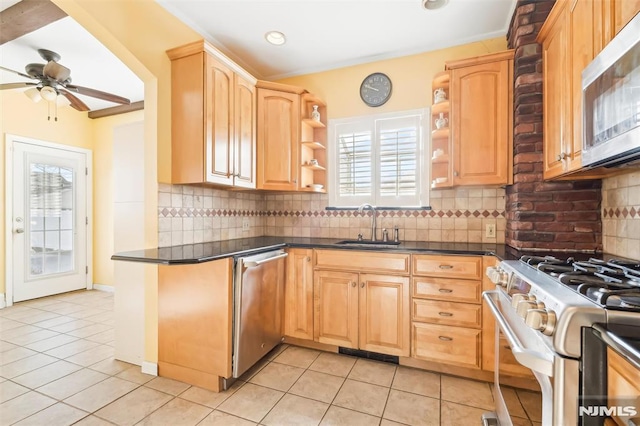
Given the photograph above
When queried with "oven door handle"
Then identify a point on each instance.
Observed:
(529, 358)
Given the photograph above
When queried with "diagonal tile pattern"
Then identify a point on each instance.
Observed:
(57, 368)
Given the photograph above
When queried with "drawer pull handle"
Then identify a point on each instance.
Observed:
(445, 290)
(446, 266)
(445, 314)
(445, 338)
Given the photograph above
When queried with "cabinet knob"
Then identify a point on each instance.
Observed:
(353, 283)
(295, 181)
(308, 258)
(455, 173)
(561, 156)
(361, 285)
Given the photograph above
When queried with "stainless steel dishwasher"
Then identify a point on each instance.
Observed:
(258, 307)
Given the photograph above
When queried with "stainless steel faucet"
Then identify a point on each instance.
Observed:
(373, 218)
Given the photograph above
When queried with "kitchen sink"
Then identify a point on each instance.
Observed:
(369, 243)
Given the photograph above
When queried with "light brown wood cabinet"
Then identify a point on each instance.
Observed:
(623, 381)
(447, 312)
(298, 311)
(288, 139)
(361, 310)
(573, 34)
(195, 317)
(481, 119)
(213, 112)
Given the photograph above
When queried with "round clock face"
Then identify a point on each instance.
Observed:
(375, 89)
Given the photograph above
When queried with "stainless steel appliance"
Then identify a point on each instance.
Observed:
(258, 307)
(540, 305)
(611, 102)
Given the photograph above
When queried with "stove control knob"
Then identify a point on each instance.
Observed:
(517, 298)
(525, 306)
(542, 320)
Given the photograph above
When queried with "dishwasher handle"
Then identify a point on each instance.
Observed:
(254, 263)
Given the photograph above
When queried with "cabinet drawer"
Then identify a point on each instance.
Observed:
(449, 345)
(363, 261)
(447, 313)
(449, 290)
(466, 267)
(508, 363)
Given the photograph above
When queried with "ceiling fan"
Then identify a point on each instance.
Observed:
(54, 79)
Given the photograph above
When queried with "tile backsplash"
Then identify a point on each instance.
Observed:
(459, 215)
(621, 215)
(190, 214)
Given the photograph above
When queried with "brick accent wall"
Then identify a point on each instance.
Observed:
(555, 216)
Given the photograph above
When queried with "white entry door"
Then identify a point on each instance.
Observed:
(49, 220)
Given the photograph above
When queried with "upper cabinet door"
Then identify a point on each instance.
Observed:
(623, 12)
(278, 139)
(481, 99)
(219, 123)
(556, 97)
(582, 38)
(244, 169)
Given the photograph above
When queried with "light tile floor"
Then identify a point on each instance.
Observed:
(57, 368)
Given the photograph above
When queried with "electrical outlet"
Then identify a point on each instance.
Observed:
(246, 224)
(490, 231)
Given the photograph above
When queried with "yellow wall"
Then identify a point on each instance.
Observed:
(410, 76)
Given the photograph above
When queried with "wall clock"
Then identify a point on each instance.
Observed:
(375, 89)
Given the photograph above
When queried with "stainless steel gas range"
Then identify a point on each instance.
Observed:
(540, 305)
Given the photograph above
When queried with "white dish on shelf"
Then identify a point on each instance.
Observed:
(437, 153)
(440, 180)
(315, 186)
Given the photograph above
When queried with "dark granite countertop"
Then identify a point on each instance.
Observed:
(205, 252)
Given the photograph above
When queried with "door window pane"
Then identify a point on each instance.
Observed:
(51, 210)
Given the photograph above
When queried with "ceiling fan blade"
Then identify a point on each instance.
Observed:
(16, 72)
(6, 86)
(56, 71)
(75, 102)
(98, 94)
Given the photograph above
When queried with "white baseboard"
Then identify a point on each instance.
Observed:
(150, 368)
(3, 304)
(104, 287)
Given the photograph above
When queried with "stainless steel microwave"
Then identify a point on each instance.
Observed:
(611, 102)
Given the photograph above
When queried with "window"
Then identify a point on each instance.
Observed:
(379, 159)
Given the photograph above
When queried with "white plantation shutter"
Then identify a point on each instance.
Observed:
(379, 159)
(355, 164)
(398, 157)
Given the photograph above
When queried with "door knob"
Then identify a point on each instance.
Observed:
(19, 230)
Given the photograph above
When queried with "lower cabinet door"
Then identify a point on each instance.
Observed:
(336, 308)
(384, 314)
(298, 311)
(449, 345)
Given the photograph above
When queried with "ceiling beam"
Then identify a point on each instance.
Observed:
(27, 16)
(120, 109)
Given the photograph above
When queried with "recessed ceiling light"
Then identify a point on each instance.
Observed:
(434, 4)
(275, 37)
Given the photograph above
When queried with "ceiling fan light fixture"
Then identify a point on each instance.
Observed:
(275, 37)
(48, 93)
(434, 4)
(33, 94)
